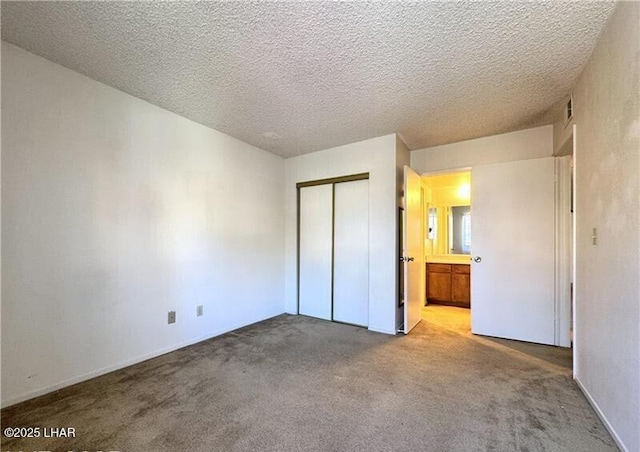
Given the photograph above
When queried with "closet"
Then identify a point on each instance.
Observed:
(333, 249)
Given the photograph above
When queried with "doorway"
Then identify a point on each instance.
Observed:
(448, 238)
(516, 223)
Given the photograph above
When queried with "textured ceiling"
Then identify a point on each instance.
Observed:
(298, 77)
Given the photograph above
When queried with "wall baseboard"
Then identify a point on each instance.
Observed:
(381, 330)
(130, 362)
(601, 415)
(370, 328)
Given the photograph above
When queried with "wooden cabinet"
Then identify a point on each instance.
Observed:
(461, 284)
(438, 282)
(449, 284)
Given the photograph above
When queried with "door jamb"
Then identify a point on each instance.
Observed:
(562, 302)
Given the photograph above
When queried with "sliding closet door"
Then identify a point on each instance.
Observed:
(316, 215)
(351, 253)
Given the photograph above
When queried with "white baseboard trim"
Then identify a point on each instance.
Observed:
(370, 328)
(601, 415)
(381, 330)
(129, 362)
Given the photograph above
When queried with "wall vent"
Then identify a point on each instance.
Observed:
(568, 110)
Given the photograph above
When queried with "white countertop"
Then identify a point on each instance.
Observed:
(449, 259)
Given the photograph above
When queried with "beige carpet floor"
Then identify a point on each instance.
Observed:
(294, 383)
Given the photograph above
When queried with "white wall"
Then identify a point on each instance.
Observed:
(377, 157)
(520, 145)
(115, 212)
(607, 117)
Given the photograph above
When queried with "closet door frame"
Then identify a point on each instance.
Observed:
(332, 181)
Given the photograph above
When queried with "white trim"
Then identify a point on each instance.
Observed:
(445, 171)
(601, 415)
(381, 330)
(127, 363)
(562, 306)
(574, 252)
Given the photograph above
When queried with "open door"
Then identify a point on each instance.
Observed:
(513, 249)
(413, 249)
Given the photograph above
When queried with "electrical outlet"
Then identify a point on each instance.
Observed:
(199, 310)
(172, 317)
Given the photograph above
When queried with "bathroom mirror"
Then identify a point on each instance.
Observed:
(448, 230)
(459, 237)
(448, 211)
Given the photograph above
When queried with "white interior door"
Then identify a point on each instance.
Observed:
(513, 249)
(413, 246)
(315, 236)
(351, 253)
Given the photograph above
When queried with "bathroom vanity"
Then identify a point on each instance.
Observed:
(449, 283)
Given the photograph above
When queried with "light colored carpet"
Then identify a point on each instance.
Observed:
(294, 383)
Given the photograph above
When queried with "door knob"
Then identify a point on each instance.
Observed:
(477, 259)
(406, 259)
